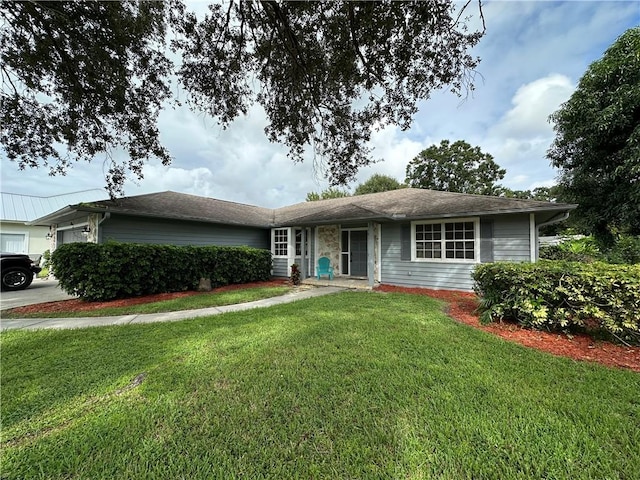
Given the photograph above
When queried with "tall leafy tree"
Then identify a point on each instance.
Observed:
(455, 167)
(378, 183)
(597, 144)
(85, 79)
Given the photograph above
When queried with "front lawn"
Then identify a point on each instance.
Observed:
(353, 385)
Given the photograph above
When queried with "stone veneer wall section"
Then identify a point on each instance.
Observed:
(93, 222)
(329, 244)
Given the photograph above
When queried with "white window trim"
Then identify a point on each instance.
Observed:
(476, 240)
(273, 242)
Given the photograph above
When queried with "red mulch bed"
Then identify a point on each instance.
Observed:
(462, 307)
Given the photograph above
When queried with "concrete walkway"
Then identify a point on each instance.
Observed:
(82, 322)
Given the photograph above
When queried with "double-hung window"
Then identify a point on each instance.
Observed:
(446, 241)
(280, 242)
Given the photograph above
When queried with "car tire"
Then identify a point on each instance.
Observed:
(16, 278)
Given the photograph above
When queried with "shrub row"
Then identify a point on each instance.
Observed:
(122, 270)
(562, 295)
(625, 250)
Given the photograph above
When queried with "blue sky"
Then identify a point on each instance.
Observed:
(533, 55)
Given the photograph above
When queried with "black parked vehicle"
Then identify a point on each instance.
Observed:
(17, 271)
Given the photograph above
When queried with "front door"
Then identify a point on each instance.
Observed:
(353, 260)
(358, 251)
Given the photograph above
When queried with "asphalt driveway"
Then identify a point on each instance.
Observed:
(40, 291)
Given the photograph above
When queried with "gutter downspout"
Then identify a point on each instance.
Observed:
(563, 216)
(558, 218)
(105, 216)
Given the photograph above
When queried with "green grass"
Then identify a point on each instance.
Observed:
(354, 385)
(183, 303)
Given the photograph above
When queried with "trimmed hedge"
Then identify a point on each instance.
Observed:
(123, 270)
(562, 295)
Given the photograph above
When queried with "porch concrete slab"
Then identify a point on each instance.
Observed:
(82, 322)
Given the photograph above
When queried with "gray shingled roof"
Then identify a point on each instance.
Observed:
(191, 207)
(407, 204)
(404, 204)
(177, 206)
(24, 208)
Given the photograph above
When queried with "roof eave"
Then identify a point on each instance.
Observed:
(478, 213)
(66, 213)
(404, 218)
(311, 223)
(55, 216)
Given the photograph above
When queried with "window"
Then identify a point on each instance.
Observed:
(459, 240)
(445, 241)
(13, 242)
(280, 242)
(429, 240)
(299, 243)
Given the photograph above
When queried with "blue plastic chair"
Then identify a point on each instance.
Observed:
(324, 268)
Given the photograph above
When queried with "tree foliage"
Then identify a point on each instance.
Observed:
(455, 167)
(90, 77)
(543, 194)
(597, 144)
(378, 183)
(327, 194)
(82, 79)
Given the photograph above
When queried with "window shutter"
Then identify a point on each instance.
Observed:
(405, 242)
(486, 240)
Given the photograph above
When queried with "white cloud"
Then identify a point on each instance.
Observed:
(532, 105)
(395, 149)
(520, 139)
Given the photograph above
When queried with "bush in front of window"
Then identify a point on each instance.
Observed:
(560, 295)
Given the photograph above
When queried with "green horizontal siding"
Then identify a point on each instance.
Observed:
(449, 276)
(510, 242)
(511, 238)
(158, 231)
(280, 267)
